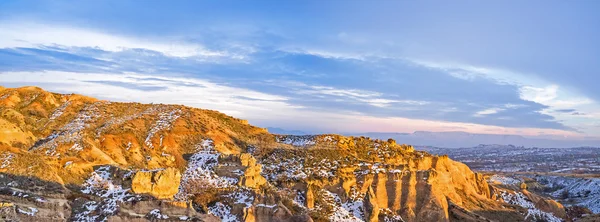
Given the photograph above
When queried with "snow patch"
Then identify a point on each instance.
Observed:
(101, 184)
(200, 171)
(242, 197)
(165, 122)
(351, 211)
(88, 213)
(72, 132)
(533, 213)
(299, 199)
(504, 180)
(29, 211)
(276, 168)
(6, 159)
(222, 211)
(156, 214)
(304, 141)
(59, 111)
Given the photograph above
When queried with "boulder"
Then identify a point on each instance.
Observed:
(162, 184)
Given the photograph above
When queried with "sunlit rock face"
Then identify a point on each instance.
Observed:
(396, 180)
(71, 157)
(162, 184)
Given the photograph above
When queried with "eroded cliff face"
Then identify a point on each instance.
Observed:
(375, 180)
(91, 160)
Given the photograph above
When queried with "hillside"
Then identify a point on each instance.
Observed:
(71, 157)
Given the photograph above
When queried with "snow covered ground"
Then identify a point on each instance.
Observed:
(201, 169)
(101, 184)
(533, 213)
(573, 190)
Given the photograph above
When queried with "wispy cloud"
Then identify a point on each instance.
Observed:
(261, 108)
(471, 72)
(172, 90)
(565, 110)
(38, 35)
(488, 111)
(529, 88)
(355, 95)
(325, 53)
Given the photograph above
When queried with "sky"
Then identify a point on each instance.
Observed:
(497, 67)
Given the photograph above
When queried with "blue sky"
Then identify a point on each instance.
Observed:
(505, 67)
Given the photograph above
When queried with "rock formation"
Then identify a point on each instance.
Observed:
(162, 184)
(251, 177)
(371, 207)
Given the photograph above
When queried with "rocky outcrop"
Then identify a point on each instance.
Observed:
(173, 210)
(546, 205)
(251, 177)
(417, 189)
(162, 184)
(275, 212)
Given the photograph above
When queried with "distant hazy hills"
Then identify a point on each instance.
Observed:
(464, 139)
(281, 131)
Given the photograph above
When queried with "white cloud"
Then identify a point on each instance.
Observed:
(539, 95)
(488, 111)
(260, 108)
(549, 96)
(495, 110)
(514, 106)
(35, 35)
(470, 73)
(387, 102)
(530, 88)
(172, 90)
(355, 95)
(326, 54)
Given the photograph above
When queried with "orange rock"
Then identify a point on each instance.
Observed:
(162, 184)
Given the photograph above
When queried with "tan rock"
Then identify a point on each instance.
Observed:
(381, 190)
(249, 215)
(251, 177)
(6, 204)
(371, 207)
(310, 197)
(523, 186)
(11, 134)
(162, 184)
